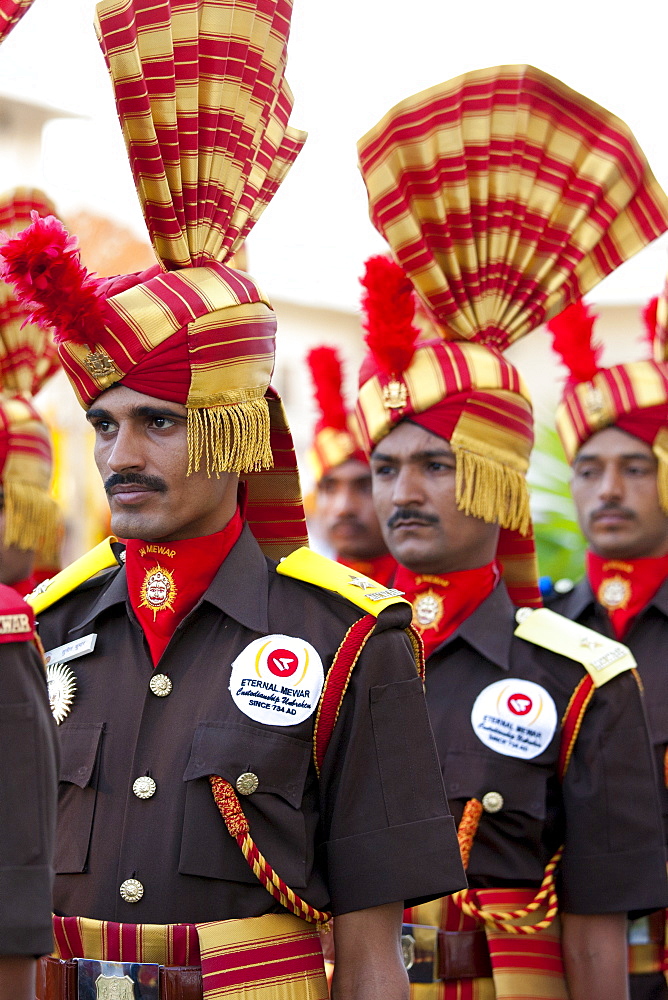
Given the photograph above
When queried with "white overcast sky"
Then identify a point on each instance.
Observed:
(350, 61)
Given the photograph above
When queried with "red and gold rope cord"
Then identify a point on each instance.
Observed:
(547, 894)
(226, 799)
(501, 918)
(237, 825)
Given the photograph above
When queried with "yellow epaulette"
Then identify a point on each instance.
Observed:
(82, 569)
(306, 565)
(602, 658)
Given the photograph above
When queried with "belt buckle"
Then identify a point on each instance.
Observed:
(639, 931)
(117, 980)
(419, 944)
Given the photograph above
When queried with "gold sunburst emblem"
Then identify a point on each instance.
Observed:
(428, 610)
(62, 686)
(158, 591)
(614, 593)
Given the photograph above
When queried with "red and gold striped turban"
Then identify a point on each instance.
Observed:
(503, 196)
(631, 396)
(28, 358)
(204, 105)
(336, 438)
(11, 12)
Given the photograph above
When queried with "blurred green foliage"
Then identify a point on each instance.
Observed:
(559, 543)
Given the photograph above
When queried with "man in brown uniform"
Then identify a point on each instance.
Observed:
(533, 724)
(231, 771)
(28, 782)
(616, 442)
(344, 505)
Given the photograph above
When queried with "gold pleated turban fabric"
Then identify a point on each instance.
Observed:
(504, 195)
(11, 12)
(204, 106)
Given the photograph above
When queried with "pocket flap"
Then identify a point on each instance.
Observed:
(78, 752)
(521, 784)
(229, 750)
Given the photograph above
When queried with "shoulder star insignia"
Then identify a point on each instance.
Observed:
(588, 643)
(361, 582)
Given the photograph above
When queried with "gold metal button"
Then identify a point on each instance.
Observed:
(492, 802)
(160, 685)
(144, 787)
(131, 890)
(247, 783)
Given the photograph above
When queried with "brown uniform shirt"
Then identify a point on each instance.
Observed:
(606, 811)
(28, 777)
(648, 640)
(374, 829)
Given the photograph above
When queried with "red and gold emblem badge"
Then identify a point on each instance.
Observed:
(158, 591)
(427, 610)
(614, 592)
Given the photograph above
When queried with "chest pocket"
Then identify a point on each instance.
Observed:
(514, 794)
(79, 755)
(275, 769)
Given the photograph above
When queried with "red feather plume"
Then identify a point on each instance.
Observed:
(572, 339)
(649, 319)
(327, 376)
(42, 263)
(389, 305)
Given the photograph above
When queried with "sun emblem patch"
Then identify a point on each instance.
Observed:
(428, 610)
(158, 591)
(614, 593)
(62, 686)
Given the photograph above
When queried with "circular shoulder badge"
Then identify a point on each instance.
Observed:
(277, 680)
(515, 717)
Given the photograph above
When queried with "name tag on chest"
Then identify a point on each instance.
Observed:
(71, 650)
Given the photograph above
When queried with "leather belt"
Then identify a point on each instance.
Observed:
(58, 979)
(431, 954)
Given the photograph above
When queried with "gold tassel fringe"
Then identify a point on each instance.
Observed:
(662, 484)
(660, 449)
(32, 520)
(231, 438)
(491, 491)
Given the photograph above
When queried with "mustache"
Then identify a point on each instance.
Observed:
(408, 514)
(611, 508)
(135, 479)
(347, 520)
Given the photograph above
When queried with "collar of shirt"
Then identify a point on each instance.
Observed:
(489, 630)
(239, 588)
(574, 603)
(660, 599)
(581, 598)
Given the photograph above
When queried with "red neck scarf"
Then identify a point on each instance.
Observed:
(165, 581)
(442, 603)
(381, 569)
(625, 586)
